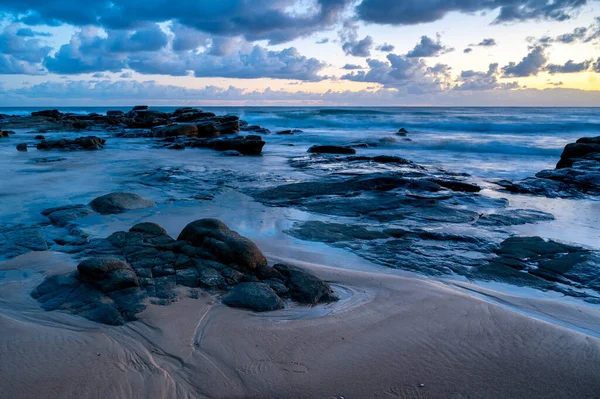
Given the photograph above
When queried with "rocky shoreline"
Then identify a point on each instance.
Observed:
(389, 210)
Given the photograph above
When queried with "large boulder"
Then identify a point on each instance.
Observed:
(305, 287)
(119, 203)
(254, 296)
(580, 149)
(331, 149)
(107, 274)
(227, 246)
(207, 130)
(115, 114)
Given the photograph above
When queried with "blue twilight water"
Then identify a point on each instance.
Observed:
(487, 142)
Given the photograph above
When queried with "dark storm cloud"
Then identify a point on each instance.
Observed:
(569, 67)
(269, 20)
(410, 12)
(532, 64)
(596, 65)
(427, 47)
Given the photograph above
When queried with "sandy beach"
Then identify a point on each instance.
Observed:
(390, 336)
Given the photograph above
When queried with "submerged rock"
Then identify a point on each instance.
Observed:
(62, 216)
(331, 149)
(259, 297)
(119, 203)
(22, 147)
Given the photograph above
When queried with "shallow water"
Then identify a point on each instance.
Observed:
(487, 143)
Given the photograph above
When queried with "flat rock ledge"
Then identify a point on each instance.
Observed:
(130, 269)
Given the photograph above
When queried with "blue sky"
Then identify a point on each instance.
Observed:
(300, 52)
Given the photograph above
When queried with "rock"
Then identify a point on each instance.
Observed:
(193, 115)
(211, 278)
(258, 297)
(115, 114)
(333, 232)
(285, 132)
(107, 274)
(80, 125)
(249, 145)
(227, 246)
(140, 108)
(255, 128)
(176, 146)
(18, 240)
(457, 185)
(207, 130)
(580, 149)
(232, 153)
(331, 149)
(513, 217)
(229, 124)
(81, 143)
(39, 137)
(22, 147)
(3, 133)
(119, 203)
(51, 113)
(402, 132)
(149, 228)
(177, 130)
(305, 287)
(62, 216)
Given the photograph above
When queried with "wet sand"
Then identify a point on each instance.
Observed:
(390, 336)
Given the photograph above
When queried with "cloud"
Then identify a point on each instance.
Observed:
(427, 47)
(90, 51)
(28, 32)
(9, 65)
(245, 63)
(388, 48)
(22, 48)
(486, 43)
(186, 38)
(350, 42)
(277, 21)
(126, 75)
(130, 92)
(411, 12)
(411, 75)
(569, 67)
(596, 65)
(530, 65)
(467, 50)
(351, 67)
(581, 34)
(322, 41)
(481, 81)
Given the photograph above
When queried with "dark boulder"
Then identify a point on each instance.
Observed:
(39, 137)
(115, 114)
(50, 113)
(305, 287)
(258, 297)
(402, 132)
(207, 130)
(580, 149)
(249, 145)
(227, 246)
(107, 274)
(119, 203)
(22, 147)
(331, 149)
(140, 108)
(81, 143)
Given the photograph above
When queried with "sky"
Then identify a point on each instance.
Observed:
(300, 52)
